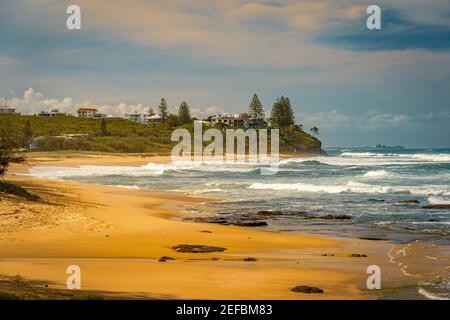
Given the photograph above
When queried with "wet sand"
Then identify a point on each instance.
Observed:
(118, 235)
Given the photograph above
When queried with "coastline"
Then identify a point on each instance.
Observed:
(117, 236)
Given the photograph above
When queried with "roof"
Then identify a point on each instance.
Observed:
(87, 109)
(155, 116)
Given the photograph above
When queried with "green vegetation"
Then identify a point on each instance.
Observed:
(255, 110)
(163, 110)
(282, 115)
(16, 190)
(184, 114)
(10, 296)
(103, 129)
(116, 135)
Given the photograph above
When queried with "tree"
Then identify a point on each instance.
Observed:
(163, 110)
(6, 153)
(282, 114)
(172, 120)
(314, 130)
(255, 110)
(184, 114)
(151, 112)
(27, 133)
(103, 128)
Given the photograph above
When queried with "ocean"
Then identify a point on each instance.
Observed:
(398, 195)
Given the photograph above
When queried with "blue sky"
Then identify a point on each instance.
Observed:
(360, 87)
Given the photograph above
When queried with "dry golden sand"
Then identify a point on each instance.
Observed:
(117, 236)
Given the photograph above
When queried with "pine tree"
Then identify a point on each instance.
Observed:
(184, 114)
(27, 133)
(255, 109)
(282, 114)
(151, 112)
(276, 114)
(289, 118)
(163, 110)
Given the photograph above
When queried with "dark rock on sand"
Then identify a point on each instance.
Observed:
(250, 223)
(437, 206)
(269, 213)
(371, 238)
(338, 217)
(302, 214)
(250, 259)
(376, 200)
(328, 255)
(206, 231)
(307, 289)
(165, 258)
(358, 255)
(194, 248)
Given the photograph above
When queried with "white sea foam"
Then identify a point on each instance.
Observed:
(376, 174)
(440, 157)
(148, 169)
(430, 295)
(349, 187)
(438, 200)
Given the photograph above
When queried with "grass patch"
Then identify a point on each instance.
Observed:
(89, 297)
(16, 190)
(9, 296)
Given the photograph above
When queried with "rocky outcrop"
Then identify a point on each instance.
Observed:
(194, 248)
(307, 289)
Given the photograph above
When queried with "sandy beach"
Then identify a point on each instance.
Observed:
(117, 237)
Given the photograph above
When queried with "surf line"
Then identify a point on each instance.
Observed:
(237, 150)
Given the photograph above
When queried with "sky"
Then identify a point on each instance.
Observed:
(358, 86)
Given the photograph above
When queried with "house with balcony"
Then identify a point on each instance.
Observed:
(89, 113)
(52, 113)
(237, 121)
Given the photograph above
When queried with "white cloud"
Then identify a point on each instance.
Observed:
(32, 102)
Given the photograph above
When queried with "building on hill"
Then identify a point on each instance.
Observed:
(53, 113)
(5, 108)
(237, 120)
(154, 119)
(89, 113)
(137, 117)
(143, 118)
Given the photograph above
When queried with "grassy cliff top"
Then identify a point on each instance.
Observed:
(123, 136)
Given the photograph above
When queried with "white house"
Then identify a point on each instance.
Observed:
(237, 120)
(89, 113)
(143, 118)
(154, 119)
(54, 112)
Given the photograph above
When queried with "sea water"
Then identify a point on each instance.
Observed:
(371, 186)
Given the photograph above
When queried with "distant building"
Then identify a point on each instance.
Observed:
(154, 119)
(5, 108)
(89, 113)
(53, 113)
(237, 120)
(137, 117)
(143, 118)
